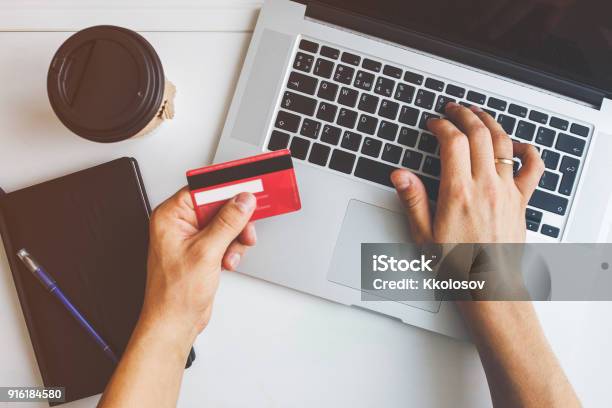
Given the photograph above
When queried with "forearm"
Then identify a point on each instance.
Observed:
(520, 366)
(151, 369)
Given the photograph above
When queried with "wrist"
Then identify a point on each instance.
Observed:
(174, 333)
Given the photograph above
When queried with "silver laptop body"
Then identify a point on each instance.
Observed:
(283, 98)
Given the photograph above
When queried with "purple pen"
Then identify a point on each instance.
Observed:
(51, 286)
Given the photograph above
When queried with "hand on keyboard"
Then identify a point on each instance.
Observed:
(479, 201)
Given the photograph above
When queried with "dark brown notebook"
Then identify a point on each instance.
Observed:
(89, 231)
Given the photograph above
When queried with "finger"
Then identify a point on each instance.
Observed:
(180, 199)
(179, 207)
(228, 223)
(248, 236)
(412, 193)
(502, 144)
(233, 256)
(183, 197)
(481, 146)
(531, 171)
(454, 150)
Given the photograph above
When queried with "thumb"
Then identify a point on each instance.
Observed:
(228, 223)
(413, 195)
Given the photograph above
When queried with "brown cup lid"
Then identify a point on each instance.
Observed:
(106, 83)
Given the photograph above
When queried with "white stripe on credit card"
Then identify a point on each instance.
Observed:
(227, 192)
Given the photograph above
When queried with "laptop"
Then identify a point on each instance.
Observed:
(348, 85)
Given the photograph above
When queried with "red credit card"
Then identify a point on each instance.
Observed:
(269, 176)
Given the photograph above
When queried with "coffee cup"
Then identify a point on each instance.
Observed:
(107, 84)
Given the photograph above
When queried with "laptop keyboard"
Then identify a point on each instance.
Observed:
(364, 117)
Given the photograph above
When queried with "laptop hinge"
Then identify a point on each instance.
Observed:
(399, 35)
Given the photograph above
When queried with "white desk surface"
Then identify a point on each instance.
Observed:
(267, 346)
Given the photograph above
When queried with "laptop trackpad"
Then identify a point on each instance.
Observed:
(366, 223)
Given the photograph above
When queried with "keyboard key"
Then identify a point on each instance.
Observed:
(533, 215)
(425, 99)
(442, 102)
(517, 110)
(342, 161)
(551, 159)
(569, 165)
(384, 86)
(299, 147)
(392, 71)
(412, 159)
(328, 91)
(371, 65)
(409, 115)
(310, 128)
(351, 141)
(549, 181)
(299, 103)
(497, 104)
(507, 122)
(278, 140)
(538, 117)
(324, 68)
(302, 83)
(368, 103)
(287, 121)
(525, 130)
(550, 231)
(351, 58)
(348, 97)
(533, 225)
(347, 118)
(405, 93)
(413, 78)
(424, 118)
(327, 112)
(558, 123)
(392, 153)
(579, 130)
(367, 124)
(428, 143)
(309, 46)
(569, 169)
(388, 109)
(330, 52)
(431, 166)
(344, 74)
(364, 80)
(455, 90)
(570, 144)
(549, 202)
(303, 62)
(319, 154)
(434, 84)
(515, 166)
(545, 136)
(331, 134)
(387, 130)
(408, 137)
(374, 171)
(371, 147)
(476, 97)
(491, 113)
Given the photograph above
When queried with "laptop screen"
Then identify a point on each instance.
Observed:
(569, 38)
